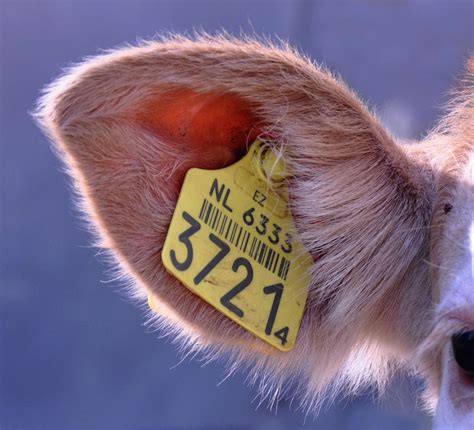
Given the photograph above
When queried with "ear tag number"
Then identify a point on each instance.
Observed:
(232, 241)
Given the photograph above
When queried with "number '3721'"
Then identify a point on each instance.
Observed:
(240, 264)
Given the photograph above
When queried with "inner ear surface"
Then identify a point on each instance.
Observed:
(214, 129)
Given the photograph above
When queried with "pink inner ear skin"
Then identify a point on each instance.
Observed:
(212, 129)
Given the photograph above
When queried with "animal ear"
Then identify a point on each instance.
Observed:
(130, 123)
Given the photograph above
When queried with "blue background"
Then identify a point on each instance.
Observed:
(73, 353)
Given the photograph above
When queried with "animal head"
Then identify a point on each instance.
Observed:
(389, 226)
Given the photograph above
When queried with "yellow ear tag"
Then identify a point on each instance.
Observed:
(232, 241)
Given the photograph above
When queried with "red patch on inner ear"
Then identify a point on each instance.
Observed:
(213, 129)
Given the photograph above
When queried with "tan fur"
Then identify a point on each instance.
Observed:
(363, 204)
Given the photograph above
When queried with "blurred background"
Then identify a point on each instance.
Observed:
(73, 352)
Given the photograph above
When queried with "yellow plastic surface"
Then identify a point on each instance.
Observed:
(232, 241)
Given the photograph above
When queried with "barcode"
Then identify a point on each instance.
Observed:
(242, 239)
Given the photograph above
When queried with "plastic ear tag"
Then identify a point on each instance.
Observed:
(232, 241)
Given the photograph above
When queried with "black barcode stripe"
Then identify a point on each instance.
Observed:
(211, 217)
(285, 272)
(233, 233)
(252, 246)
(228, 228)
(283, 269)
(238, 236)
(218, 212)
(221, 231)
(246, 241)
(213, 212)
(280, 269)
(203, 208)
(276, 262)
(208, 212)
(263, 251)
(268, 259)
(257, 249)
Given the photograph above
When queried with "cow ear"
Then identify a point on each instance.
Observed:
(129, 124)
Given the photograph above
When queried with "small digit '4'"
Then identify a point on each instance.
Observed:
(282, 334)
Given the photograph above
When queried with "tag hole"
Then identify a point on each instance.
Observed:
(269, 166)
